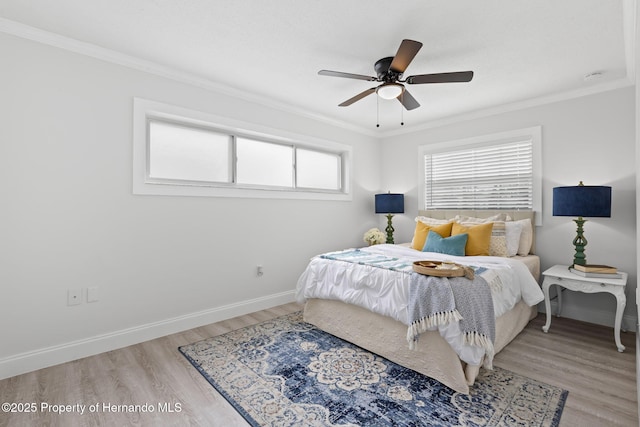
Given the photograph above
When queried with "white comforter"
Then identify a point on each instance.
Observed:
(386, 291)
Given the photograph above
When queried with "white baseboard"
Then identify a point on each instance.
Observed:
(66, 352)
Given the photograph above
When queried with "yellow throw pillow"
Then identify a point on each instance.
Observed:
(498, 242)
(422, 230)
(479, 238)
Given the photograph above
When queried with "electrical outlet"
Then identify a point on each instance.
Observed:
(74, 296)
(92, 294)
(259, 271)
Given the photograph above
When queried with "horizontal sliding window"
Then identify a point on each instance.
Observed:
(316, 169)
(181, 152)
(188, 154)
(264, 163)
(493, 172)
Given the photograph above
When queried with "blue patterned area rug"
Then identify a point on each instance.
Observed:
(285, 372)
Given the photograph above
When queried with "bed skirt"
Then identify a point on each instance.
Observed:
(386, 337)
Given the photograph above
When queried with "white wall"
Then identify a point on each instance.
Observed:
(591, 139)
(69, 218)
(636, 69)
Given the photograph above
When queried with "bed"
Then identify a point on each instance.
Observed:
(369, 306)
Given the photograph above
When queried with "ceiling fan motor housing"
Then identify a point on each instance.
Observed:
(382, 70)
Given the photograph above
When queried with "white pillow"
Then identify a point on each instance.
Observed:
(526, 237)
(496, 217)
(432, 221)
(513, 233)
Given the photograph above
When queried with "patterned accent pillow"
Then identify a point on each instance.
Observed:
(498, 246)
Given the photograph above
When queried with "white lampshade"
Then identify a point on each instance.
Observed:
(390, 90)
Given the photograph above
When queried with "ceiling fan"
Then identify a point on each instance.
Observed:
(389, 72)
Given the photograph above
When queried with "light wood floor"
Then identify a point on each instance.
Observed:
(576, 356)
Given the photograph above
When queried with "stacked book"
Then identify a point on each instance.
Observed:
(594, 270)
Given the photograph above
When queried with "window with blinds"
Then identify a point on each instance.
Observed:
(497, 173)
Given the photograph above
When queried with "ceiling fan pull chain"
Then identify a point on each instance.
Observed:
(377, 112)
(402, 109)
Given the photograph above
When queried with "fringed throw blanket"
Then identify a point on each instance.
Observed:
(435, 301)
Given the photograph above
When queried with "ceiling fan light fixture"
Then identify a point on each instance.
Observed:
(390, 90)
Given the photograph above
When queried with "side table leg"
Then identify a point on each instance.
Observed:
(559, 300)
(547, 306)
(621, 301)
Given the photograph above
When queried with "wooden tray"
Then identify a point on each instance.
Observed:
(429, 268)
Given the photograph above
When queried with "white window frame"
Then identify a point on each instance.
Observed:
(532, 133)
(145, 110)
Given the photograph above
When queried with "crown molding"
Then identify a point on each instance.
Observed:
(94, 51)
(515, 106)
(88, 49)
(629, 13)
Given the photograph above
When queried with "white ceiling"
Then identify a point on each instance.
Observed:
(521, 51)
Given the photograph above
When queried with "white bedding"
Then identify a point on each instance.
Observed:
(386, 292)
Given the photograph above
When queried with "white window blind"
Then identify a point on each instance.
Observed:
(497, 176)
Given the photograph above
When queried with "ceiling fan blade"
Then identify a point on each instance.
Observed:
(358, 97)
(406, 52)
(408, 101)
(346, 75)
(456, 77)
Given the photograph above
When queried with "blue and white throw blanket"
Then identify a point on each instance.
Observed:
(367, 258)
(436, 301)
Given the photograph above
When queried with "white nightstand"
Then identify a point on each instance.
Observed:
(561, 276)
